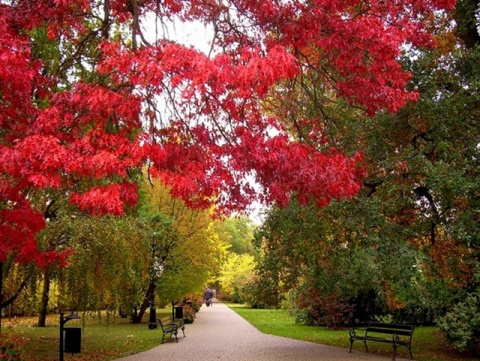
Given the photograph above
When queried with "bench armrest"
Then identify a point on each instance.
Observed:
(355, 328)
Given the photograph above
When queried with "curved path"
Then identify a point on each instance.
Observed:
(218, 333)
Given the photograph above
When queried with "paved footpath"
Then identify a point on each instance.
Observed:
(219, 334)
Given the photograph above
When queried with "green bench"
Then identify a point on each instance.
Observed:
(393, 333)
(171, 326)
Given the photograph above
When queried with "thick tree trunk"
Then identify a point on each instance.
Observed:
(42, 317)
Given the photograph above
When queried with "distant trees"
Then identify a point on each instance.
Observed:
(190, 250)
(239, 260)
(235, 276)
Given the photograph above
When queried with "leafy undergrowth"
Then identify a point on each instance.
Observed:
(428, 342)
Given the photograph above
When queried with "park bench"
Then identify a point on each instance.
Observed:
(394, 333)
(171, 326)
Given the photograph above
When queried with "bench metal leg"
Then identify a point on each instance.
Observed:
(353, 340)
(171, 333)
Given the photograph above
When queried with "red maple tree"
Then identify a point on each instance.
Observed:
(85, 99)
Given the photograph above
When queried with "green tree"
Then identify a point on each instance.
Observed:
(190, 250)
(237, 232)
(109, 266)
(414, 226)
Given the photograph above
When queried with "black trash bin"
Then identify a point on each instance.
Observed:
(179, 312)
(73, 339)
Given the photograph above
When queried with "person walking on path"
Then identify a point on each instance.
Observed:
(219, 334)
(207, 297)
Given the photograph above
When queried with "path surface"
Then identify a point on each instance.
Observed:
(219, 334)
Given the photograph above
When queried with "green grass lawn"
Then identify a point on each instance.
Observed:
(107, 340)
(101, 339)
(428, 344)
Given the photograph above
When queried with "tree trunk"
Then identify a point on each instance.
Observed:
(137, 315)
(42, 317)
(466, 18)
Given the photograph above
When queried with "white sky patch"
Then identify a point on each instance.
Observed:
(192, 34)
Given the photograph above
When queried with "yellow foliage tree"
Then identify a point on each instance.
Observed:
(191, 252)
(236, 273)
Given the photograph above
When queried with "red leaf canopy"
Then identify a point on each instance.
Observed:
(86, 98)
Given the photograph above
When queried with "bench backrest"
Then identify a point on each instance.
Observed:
(390, 328)
(167, 320)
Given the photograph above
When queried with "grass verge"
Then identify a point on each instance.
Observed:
(102, 339)
(428, 344)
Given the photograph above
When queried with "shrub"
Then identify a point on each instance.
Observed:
(366, 306)
(189, 314)
(304, 317)
(196, 304)
(462, 323)
(261, 293)
(416, 315)
(327, 309)
(11, 346)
